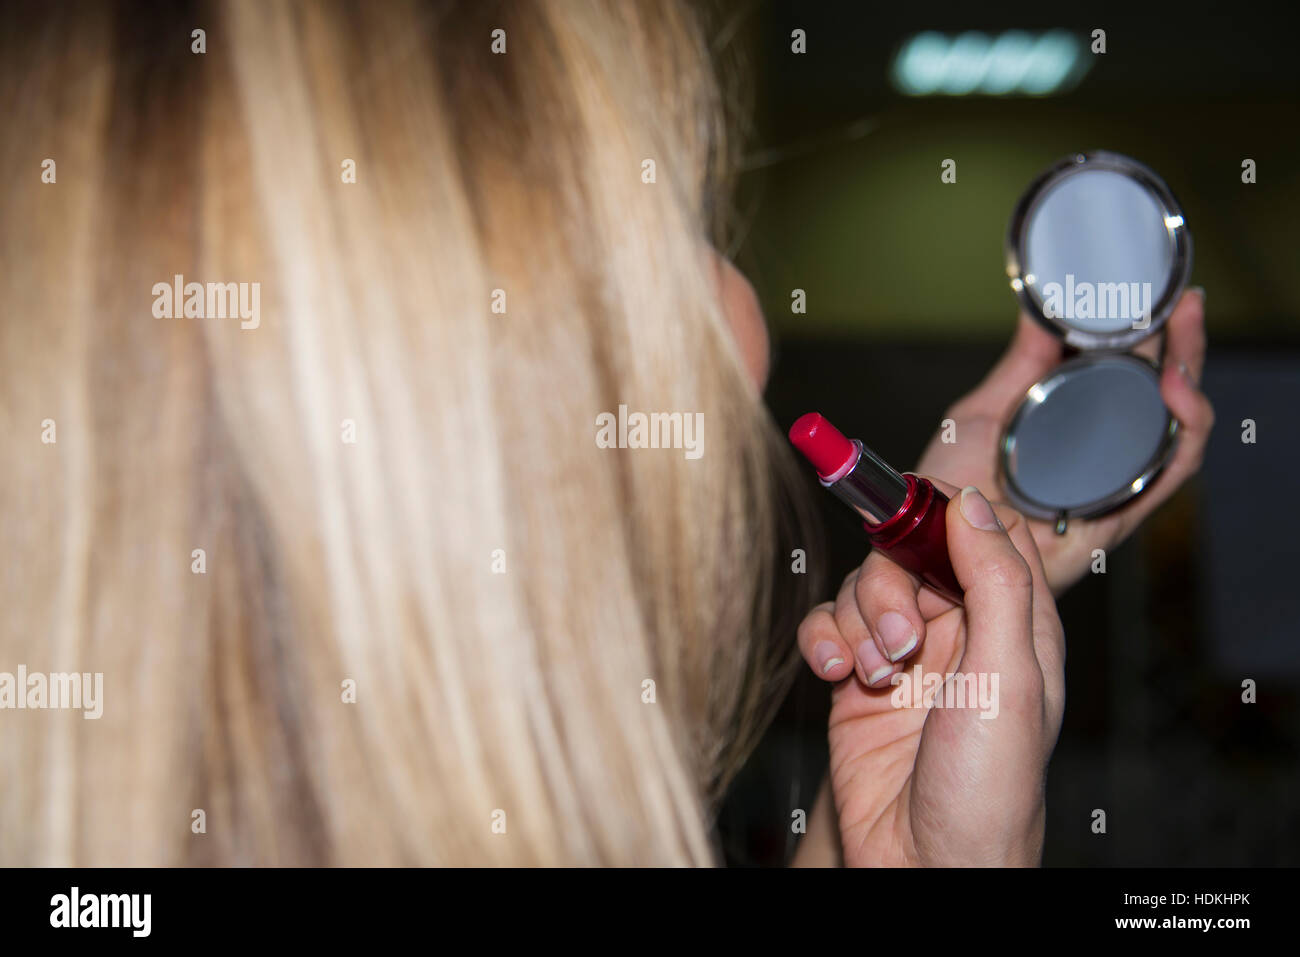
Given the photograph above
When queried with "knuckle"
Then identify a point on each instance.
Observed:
(1008, 570)
(1026, 696)
(1009, 516)
(848, 623)
(818, 624)
(881, 583)
(850, 581)
(874, 575)
(804, 633)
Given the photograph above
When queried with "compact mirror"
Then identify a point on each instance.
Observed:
(1098, 252)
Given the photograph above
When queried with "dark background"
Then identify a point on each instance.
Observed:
(908, 307)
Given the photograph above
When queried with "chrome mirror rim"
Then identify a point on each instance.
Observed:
(1038, 393)
(1180, 238)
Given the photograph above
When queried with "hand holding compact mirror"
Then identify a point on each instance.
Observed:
(1098, 253)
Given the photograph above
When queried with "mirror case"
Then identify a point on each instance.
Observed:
(1094, 432)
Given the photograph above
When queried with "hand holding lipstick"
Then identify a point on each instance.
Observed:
(943, 785)
(918, 785)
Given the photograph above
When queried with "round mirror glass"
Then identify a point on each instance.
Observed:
(1098, 250)
(1087, 438)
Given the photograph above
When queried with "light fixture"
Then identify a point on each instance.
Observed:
(1009, 64)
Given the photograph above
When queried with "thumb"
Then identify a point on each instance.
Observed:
(998, 586)
(1032, 354)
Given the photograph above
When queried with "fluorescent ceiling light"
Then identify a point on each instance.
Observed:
(1011, 63)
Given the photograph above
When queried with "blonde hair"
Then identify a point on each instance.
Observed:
(567, 640)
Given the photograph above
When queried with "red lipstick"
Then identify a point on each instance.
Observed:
(904, 514)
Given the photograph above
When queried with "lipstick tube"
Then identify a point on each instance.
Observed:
(904, 515)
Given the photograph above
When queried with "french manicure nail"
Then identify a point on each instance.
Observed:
(879, 674)
(827, 656)
(977, 511)
(896, 634)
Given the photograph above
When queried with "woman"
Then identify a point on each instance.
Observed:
(362, 584)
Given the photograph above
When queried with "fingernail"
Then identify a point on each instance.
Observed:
(975, 508)
(1186, 373)
(1200, 291)
(880, 674)
(897, 635)
(827, 656)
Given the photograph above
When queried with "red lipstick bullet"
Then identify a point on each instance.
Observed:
(904, 514)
